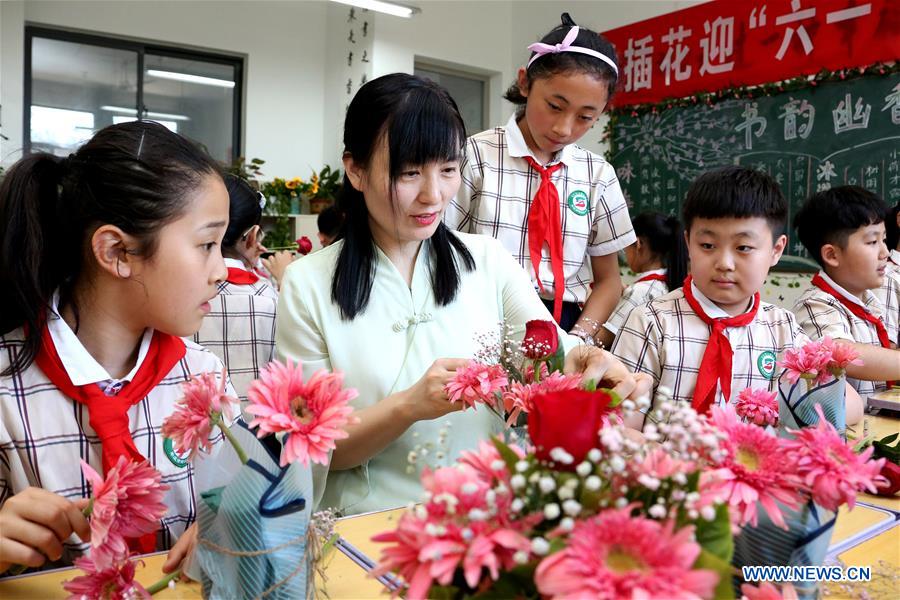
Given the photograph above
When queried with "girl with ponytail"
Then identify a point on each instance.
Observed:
(659, 257)
(398, 302)
(107, 258)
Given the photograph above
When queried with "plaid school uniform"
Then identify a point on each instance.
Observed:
(240, 330)
(637, 294)
(821, 314)
(43, 433)
(498, 187)
(666, 339)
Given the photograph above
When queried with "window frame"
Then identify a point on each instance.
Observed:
(141, 49)
(438, 66)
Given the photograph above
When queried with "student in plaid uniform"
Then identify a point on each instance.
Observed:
(892, 238)
(108, 257)
(659, 257)
(714, 337)
(843, 230)
(240, 327)
(556, 207)
(398, 302)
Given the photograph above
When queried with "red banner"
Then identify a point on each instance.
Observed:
(727, 43)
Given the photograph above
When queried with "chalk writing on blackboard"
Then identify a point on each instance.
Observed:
(841, 132)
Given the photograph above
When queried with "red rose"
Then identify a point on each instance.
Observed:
(304, 246)
(541, 339)
(569, 420)
(891, 472)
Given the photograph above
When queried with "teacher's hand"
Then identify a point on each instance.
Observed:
(604, 368)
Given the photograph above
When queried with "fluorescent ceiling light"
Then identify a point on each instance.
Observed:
(390, 8)
(190, 78)
(155, 115)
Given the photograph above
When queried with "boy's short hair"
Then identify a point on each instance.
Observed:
(831, 216)
(735, 192)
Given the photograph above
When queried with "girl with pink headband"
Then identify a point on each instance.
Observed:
(556, 207)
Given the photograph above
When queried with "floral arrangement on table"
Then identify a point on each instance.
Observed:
(821, 366)
(255, 535)
(585, 509)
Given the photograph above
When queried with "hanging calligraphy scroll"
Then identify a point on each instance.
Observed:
(725, 44)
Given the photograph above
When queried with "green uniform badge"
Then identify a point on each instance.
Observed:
(578, 202)
(173, 456)
(766, 364)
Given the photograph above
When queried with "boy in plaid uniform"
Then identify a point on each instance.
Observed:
(705, 342)
(843, 230)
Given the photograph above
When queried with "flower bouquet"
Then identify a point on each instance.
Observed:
(504, 377)
(790, 486)
(583, 509)
(255, 538)
(821, 366)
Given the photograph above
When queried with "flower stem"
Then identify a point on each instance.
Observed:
(88, 510)
(164, 582)
(537, 370)
(226, 431)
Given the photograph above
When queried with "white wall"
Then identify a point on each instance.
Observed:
(283, 42)
(294, 91)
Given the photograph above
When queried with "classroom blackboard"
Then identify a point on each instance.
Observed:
(834, 133)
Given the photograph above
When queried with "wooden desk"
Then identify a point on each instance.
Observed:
(882, 554)
(345, 580)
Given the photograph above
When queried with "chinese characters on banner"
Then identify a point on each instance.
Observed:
(358, 48)
(726, 43)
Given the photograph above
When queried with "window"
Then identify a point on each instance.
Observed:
(76, 84)
(468, 90)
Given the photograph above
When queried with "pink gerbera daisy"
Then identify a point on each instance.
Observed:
(842, 355)
(111, 582)
(487, 462)
(614, 555)
(476, 382)
(128, 503)
(830, 468)
(754, 470)
(767, 591)
(203, 404)
(758, 407)
(313, 413)
(809, 362)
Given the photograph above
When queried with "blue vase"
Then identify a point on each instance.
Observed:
(252, 531)
(797, 405)
(805, 542)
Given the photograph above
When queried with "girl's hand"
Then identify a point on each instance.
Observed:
(426, 399)
(277, 263)
(607, 371)
(183, 550)
(33, 525)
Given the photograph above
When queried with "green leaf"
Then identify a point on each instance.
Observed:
(724, 589)
(515, 583)
(558, 360)
(715, 536)
(443, 592)
(615, 399)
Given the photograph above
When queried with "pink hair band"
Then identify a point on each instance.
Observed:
(540, 49)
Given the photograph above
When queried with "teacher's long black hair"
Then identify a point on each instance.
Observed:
(422, 124)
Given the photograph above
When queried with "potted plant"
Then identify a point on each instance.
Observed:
(323, 188)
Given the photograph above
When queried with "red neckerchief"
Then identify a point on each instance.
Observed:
(241, 276)
(652, 277)
(544, 226)
(859, 311)
(715, 367)
(856, 309)
(108, 415)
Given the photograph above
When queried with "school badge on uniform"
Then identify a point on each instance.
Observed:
(766, 364)
(173, 456)
(578, 202)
